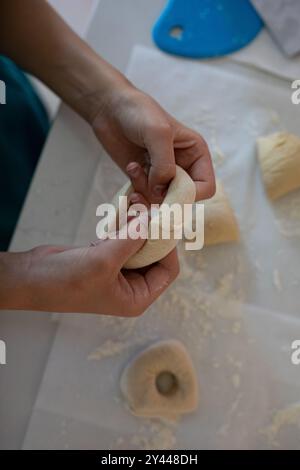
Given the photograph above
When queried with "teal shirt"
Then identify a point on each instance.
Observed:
(23, 129)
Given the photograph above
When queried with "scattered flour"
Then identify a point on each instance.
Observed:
(157, 435)
(275, 117)
(288, 216)
(236, 327)
(107, 349)
(285, 417)
(236, 380)
(223, 431)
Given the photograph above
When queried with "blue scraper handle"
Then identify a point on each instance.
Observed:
(206, 28)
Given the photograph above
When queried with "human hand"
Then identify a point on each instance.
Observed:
(137, 132)
(130, 124)
(83, 280)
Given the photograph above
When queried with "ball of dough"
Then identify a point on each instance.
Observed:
(161, 382)
(279, 158)
(220, 223)
(182, 190)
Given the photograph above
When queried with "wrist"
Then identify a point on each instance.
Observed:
(89, 84)
(113, 104)
(107, 93)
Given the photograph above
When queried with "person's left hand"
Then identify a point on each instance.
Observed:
(137, 132)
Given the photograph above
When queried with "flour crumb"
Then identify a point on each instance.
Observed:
(155, 436)
(288, 218)
(234, 362)
(225, 284)
(258, 266)
(275, 118)
(119, 442)
(236, 380)
(236, 328)
(285, 417)
(108, 349)
(223, 431)
(277, 280)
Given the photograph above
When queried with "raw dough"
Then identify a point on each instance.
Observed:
(279, 158)
(220, 224)
(182, 191)
(161, 382)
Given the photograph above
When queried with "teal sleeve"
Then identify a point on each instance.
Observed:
(24, 125)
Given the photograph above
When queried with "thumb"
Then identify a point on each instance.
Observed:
(129, 241)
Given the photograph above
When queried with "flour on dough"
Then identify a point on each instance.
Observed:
(279, 158)
(161, 382)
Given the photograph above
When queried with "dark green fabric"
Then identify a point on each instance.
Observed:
(23, 129)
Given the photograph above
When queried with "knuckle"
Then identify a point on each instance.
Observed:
(202, 141)
(199, 137)
(162, 129)
(201, 144)
(165, 171)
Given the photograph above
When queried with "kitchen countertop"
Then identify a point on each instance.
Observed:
(53, 208)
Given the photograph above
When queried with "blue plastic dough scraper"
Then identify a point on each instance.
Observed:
(206, 28)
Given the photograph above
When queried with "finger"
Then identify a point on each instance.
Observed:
(139, 179)
(162, 274)
(137, 198)
(147, 287)
(202, 173)
(159, 144)
(128, 242)
(192, 154)
(138, 204)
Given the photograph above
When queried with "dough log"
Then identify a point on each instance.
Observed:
(279, 158)
(220, 223)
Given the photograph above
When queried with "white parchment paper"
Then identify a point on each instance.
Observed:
(235, 307)
(265, 54)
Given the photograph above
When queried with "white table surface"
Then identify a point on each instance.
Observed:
(53, 209)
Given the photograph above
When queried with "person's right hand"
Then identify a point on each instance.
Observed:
(83, 280)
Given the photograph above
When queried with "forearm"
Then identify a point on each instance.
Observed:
(14, 292)
(36, 38)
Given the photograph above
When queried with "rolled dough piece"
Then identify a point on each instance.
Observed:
(279, 158)
(220, 223)
(182, 190)
(161, 382)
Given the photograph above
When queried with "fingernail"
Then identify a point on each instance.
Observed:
(133, 169)
(134, 198)
(159, 190)
(162, 286)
